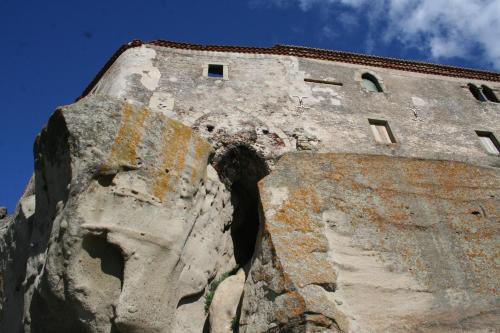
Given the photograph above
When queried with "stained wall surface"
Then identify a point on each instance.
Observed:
(430, 116)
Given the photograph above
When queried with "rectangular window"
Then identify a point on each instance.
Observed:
(489, 142)
(381, 131)
(215, 70)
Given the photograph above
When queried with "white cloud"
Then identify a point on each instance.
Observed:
(443, 28)
(329, 32)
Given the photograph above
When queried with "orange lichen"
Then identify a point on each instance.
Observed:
(175, 143)
(124, 149)
(294, 215)
(201, 153)
(293, 306)
(298, 238)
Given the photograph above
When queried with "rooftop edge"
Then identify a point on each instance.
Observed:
(310, 53)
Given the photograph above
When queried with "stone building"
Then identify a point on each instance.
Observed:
(287, 189)
(312, 99)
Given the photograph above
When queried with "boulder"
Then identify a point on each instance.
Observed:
(130, 224)
(224, 306)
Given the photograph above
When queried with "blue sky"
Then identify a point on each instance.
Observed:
(52, 49)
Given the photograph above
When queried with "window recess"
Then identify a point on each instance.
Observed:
(476, 92)
(215, 70)
(371, 83)
(489, 94)
(489, 142)
(381, 131)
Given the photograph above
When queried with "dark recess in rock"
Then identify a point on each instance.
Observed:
(3, 212)
(240, 168)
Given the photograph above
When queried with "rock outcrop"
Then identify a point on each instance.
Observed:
(133, 222)
(358, 243)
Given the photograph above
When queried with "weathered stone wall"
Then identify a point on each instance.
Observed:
(260, 90)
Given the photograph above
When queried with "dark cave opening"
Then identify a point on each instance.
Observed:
(240, 168)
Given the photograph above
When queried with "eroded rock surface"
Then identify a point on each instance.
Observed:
(3, 212)
(130, 217)
(360, 243)
(224, 306)
(130, 225)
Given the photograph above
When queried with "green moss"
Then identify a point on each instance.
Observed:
(214, 284)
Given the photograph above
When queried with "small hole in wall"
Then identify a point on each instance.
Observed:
(167, 171)
(265, 132)
(240, 168)
(210, 128)
(105, 180)
(476, 213)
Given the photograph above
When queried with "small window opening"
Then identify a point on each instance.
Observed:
(489, 142)
(476, 92)
(489, 94)
(216, 71)
(370, 82)
(381, 131)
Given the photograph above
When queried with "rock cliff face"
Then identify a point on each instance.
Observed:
(171, 201)
(132, 224)
(357, 243)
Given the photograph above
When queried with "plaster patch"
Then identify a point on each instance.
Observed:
(162, 102)
(137, 60)
(335, 101)
(325, 90)
(417, 101)
(278, 195)
(172, 79)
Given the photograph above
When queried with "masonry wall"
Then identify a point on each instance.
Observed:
(430, 116)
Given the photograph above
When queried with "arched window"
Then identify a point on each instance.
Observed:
(370, 82)
(476, 92)
(489, 94)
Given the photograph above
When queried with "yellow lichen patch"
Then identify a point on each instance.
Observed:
(375, 218)
(305, 244)
(124, 149)
(201, 153)
(294, 214)
(175, 143)
(293, 306)
(298, 239)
